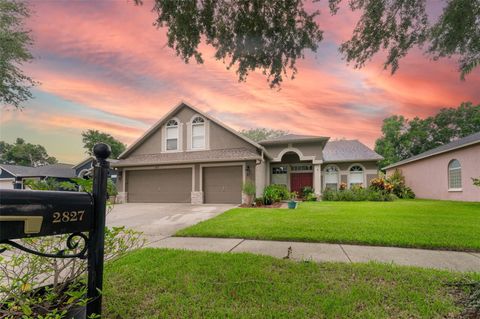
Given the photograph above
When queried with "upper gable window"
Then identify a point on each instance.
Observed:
(454, 175)
(198, 133)
(171, 141)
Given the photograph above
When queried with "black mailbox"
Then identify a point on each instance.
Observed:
(25, 213)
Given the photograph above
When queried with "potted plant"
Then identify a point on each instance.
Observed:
(292, 204)
(249, 191)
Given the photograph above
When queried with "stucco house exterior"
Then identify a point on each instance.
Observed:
(444, 172)
(191, 157)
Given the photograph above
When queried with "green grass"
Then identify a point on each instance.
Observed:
(402, 223)
(157, 283)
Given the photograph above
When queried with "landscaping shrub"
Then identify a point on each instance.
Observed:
(356, 194)
(311, 197)
(398, 185)
(275, 193)
(306, 191)
(259, 201)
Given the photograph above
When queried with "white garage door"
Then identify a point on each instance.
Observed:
(6, 184)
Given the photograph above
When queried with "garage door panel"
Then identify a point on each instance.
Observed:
(160, 186)
(222, 185)
(6, 184)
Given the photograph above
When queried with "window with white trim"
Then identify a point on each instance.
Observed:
(171, 140)
(356, 175)
(279, 175)
(454, 175)
(331, 177)
(198, 133)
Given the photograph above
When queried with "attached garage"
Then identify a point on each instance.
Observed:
(159, 185)
(222, 185)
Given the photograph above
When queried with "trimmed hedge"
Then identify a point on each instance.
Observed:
(356, 195)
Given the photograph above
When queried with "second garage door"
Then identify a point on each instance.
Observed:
(160, 186)
(222, 185)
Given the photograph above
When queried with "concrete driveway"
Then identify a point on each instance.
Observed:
(158, 220)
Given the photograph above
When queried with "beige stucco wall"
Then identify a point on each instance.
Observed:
(429, 177)
(217, 136)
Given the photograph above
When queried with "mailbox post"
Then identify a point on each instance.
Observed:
(25, 213)
(96, 243)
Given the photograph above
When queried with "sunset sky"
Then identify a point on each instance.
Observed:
(103, 65)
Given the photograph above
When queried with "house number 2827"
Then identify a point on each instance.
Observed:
(66, 217)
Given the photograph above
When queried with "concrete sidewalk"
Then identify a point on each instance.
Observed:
(449, 260)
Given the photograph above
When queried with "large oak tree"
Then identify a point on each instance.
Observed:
(271, 35)
(15, 40)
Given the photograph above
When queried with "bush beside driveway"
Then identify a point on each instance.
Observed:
(403, 223)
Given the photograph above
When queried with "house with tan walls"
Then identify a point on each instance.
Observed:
(444, 172)
(190, 157)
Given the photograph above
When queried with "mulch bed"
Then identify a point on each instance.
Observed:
(274, 205)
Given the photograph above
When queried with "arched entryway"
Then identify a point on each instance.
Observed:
(293, 172)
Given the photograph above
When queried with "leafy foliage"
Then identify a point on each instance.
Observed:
(402, 138)
(476, 181)
(394, 184)
(46, 184)
(270, 35)
(14, 42)
(39, 287)
(249, 188)
(398, 186)
(26, 154)
(92, 137)
(395, 26)
(86, 185)
(357, 194)
(275, 193)
(457, 33)
(260, 134)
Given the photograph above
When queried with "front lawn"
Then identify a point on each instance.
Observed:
(402, 223)
(158, 283)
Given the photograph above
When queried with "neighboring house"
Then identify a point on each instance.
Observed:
(85, 168)
(444, 172)
(190, 157)
(14, 176)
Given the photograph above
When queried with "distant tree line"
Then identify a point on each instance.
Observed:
(402, 138)
(27, 154)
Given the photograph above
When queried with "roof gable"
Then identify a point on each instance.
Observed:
(172, 112)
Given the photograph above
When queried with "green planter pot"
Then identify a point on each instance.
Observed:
(292, 205)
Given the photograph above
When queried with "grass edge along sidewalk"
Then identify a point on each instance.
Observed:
(427, 224)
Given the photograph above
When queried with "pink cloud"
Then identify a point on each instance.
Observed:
(109, 58)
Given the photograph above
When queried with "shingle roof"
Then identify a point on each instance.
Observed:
(348, 150)
(53, 170)
(56, 170)
(465, 141)
(292, 138)
(233, 154)
(18, 170)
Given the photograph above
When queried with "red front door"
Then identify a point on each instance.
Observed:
(300, 180)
